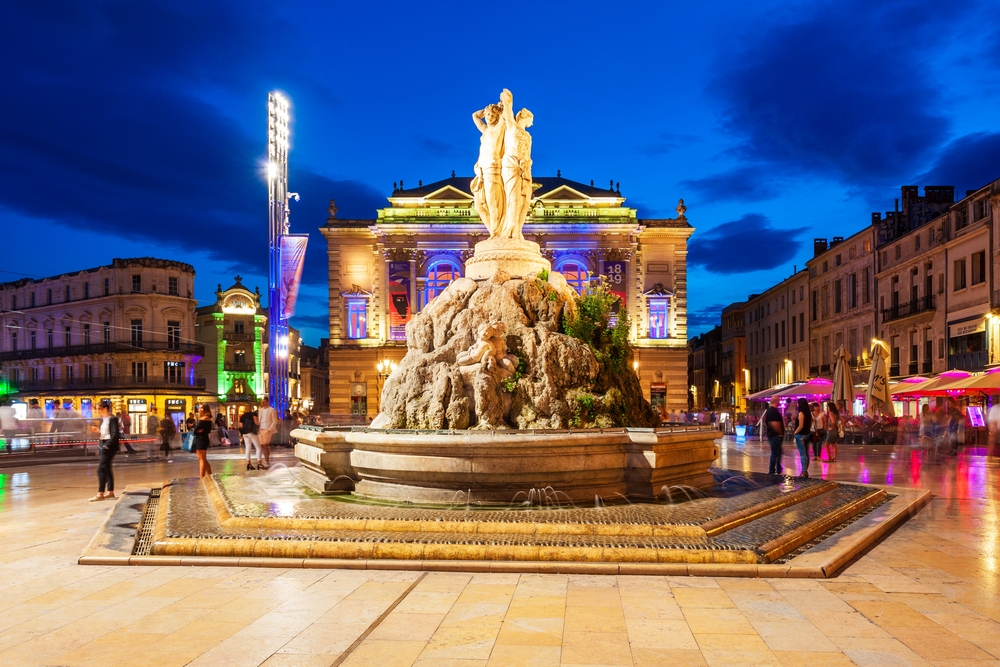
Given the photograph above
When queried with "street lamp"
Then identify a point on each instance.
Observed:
(385, 369)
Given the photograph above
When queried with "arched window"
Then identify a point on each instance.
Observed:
(440, 274)
(575, 271)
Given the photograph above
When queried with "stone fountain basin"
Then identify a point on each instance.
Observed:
(496, 466)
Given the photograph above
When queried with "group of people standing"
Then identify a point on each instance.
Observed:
(812, 427)
(257, 429)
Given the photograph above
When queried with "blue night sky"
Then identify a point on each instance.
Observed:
(138, 128)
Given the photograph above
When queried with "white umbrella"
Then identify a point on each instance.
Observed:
(878, 398)
(843, 385)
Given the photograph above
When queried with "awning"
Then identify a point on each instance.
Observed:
(939, 386)
(812, 389)
(768, 393)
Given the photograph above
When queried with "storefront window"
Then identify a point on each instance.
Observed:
(357, 318)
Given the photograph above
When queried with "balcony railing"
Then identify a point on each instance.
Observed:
(104, 348)
(240, 367)
(238, 337)
(969, 361)
(96, 384)
(921, 305)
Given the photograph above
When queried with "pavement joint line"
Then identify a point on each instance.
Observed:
(364, 635)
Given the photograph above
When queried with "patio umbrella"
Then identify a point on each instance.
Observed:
(878, 398)
(907, 384)
(939, 386)
(766, 394)
(813, 388)
(842, 393)
(988, 383)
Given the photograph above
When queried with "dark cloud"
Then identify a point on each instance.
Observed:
(666, 143)
(748, 184)
(434, 148)
(102, 133)
(841, 92)
(705, 318)
(968, 163)
(748, 244)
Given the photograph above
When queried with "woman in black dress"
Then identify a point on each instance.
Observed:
(202, 429)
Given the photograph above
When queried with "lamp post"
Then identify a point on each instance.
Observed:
(385, 369)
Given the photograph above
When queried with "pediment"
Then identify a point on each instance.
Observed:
(448, 193)
(564, 193)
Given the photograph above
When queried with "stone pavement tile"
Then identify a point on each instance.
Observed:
(407, 627)
(595, 619)
(513, 655)
(428, 602)
(531, 632)
(717, 642)
(702, 597)
(178, 588)
(974, 628)
(326, 638)
(816, 602)
(717, 621)
(443, 582)
(812, 659)
(662, 657)
(238, 652)
(113, 648)
(313, 600)
(854, 590)
(539, 606)
(596, 648)
(938, 644)
(793, 636)
(737, 584)
(12, 638)
(475, 615)
(846, 624)
(661, 634)
(691, 582)
(359, 610)
(241, 610)
(893, 614)
(166, 621)
(154, 658)
(897, 584)
(546, 584)
(658, 606)
(642, 582)
(396, 576)
(46, 621)
(210, 598)
(868, 652)
(795, 584)
(378, 591)
(472, 642)
(384, 654)
(449, 662)
(487, 594)
(299, 660)
(766, 608)
(592, 596)
(593, 580)
(199, 636)
(277, 623)
(726, 658)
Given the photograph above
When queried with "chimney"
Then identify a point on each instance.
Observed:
(819, 247)
(876, 217)
(836, 240)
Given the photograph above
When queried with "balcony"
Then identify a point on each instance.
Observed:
(238, 337)
(969, 361)
(102, 384)
(922, 305)
(105, 348)
(240, 367)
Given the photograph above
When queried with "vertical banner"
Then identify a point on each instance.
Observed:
(616, 273)
(293, 258)
(399, 299)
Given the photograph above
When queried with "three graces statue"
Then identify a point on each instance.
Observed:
(502, 188)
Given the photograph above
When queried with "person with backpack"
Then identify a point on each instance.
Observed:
(249, 426)
(108, 442)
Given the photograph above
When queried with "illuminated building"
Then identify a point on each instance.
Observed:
(382, 271)
(235, 335)
(123, 332)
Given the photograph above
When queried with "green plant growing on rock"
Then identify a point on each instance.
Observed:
(543, 275)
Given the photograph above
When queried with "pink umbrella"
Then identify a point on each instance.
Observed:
(814, 388)
(939, 386)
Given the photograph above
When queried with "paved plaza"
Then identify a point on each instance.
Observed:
(927, 595)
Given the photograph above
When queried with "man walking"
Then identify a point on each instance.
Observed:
(152, 426)
(775, 427)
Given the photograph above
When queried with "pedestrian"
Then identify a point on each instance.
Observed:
(222, 425)
(189, 422)
(168, 429)
(122, 434)
(803, 430)
(249, 426)
(818, 429)
(926, 433)
(126, 422)
(202, 429)
(8, 424)
(152, 426)
(775, 428)
(834, 431)
(108, 440)
(268, 421)
(35, 417)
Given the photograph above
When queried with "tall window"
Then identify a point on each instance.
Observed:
(172, 286)
(852, 290)
(67, 293)
(86, 334)
(31, 300)
(68, 373)
(959, 274)
(659, 311)
(441, 274)
(979, 267)
(49, 337)
(139, 371)
(13, 341)
(86, 290)
(13, 302)
(173, 371)
(173, 335)
(575, 272)
(136, 283)
(238, 327)
(837, 291)
(357, 318)
(88, 372)
(866, 294)
(107, 332)
(108, 370)
(137, 333)
(69, 335)
(48, 296)
(107, 286)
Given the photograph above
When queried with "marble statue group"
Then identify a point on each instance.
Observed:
(502, 187)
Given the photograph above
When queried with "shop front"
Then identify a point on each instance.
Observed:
(968, 347)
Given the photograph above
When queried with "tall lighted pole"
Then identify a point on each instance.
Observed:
(277, 224)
